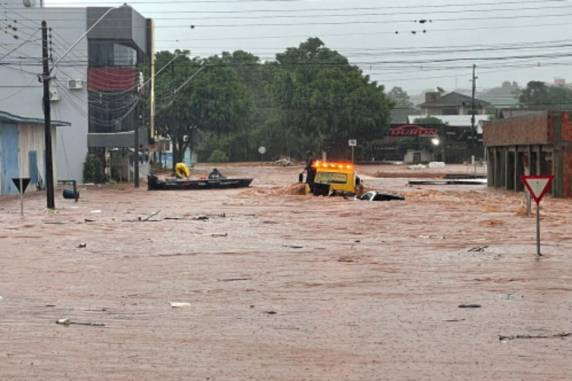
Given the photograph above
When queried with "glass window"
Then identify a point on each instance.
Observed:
(331, 178)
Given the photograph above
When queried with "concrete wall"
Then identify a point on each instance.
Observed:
(21, 93)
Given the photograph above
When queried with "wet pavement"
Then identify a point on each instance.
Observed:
(285, 287)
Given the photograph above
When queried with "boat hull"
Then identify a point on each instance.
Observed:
(155, 183)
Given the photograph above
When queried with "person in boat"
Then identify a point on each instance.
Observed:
(182, 171)
(215, 175)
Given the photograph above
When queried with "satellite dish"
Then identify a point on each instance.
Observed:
(262, 150)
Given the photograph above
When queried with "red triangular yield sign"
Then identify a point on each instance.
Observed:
(537, 186)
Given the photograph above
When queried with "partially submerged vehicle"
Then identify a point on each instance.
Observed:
(378, 196)
(182, 181)
(340, 179)
(332, 178)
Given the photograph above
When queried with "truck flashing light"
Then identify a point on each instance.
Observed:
(323, 164)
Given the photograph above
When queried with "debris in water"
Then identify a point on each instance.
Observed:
(293, 246)
(68, 322)
(234, 279)
(525, 337)
(470, 306)
(270, 312)
(82, 245)
(491, 223)
(346, 260)
(96, 211)
(87, 220)
(219, 235)
(149, 216)
(478, 249)
(454, 320)
(201, 218)
(180, 305)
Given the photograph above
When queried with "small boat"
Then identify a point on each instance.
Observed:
(154, 183)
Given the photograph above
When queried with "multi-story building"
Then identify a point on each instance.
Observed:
(97, 55)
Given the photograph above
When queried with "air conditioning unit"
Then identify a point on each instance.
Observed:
(75, 84)
(54, 95)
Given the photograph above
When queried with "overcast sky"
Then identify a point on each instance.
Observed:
(507, 39)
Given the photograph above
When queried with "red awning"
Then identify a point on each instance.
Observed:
(112, 79)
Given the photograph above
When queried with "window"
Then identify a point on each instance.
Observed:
(331, 178)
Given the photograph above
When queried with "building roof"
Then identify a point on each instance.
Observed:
(456, 120)
(11, 118)
(454, 99)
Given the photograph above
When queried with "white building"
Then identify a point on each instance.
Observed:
(93, 86)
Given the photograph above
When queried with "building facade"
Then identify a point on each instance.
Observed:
(22, 150)
(534, 143)
(95, 82)
(452, 103)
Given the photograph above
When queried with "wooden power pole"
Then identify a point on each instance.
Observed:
(47, 119)
(473, 111)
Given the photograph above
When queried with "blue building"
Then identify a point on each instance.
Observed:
(22, 150)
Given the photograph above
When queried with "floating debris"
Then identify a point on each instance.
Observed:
(180, 305)
(527, 337)
(470, 306)
(67, 322)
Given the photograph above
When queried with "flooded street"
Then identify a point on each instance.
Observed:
(285, 287)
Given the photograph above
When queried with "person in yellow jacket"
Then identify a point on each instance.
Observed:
(182, 171)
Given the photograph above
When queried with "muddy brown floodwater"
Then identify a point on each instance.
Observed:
(285, 287)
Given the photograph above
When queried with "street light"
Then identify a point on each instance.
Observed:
(436, 142)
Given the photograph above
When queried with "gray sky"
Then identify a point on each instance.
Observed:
(491, 34)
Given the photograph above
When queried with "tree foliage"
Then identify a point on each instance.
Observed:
(429, 120)
(400, 98)
(310, 98)
(540, 94)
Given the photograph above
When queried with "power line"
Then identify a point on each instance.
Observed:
(425, 14)
(191, 2)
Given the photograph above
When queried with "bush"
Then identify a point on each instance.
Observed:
(93, 170)
(218, 156)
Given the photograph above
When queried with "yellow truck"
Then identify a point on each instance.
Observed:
(332, 178)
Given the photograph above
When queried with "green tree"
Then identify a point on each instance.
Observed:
(429, 120)
(539, 94)
(198, 96)
(400, 98)
(322, 101)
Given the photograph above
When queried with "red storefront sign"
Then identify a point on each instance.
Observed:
(413, 130)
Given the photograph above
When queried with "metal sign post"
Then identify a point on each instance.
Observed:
(21, 184)
(537, 187)
(352, 143)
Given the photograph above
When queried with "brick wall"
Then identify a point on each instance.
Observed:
(566, 131)
(567, 181)
(523, 130)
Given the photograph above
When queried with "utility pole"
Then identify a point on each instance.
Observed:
(136, 152)
(47, 119)
(473, 127)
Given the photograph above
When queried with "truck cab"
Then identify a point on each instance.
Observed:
(332, 178)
